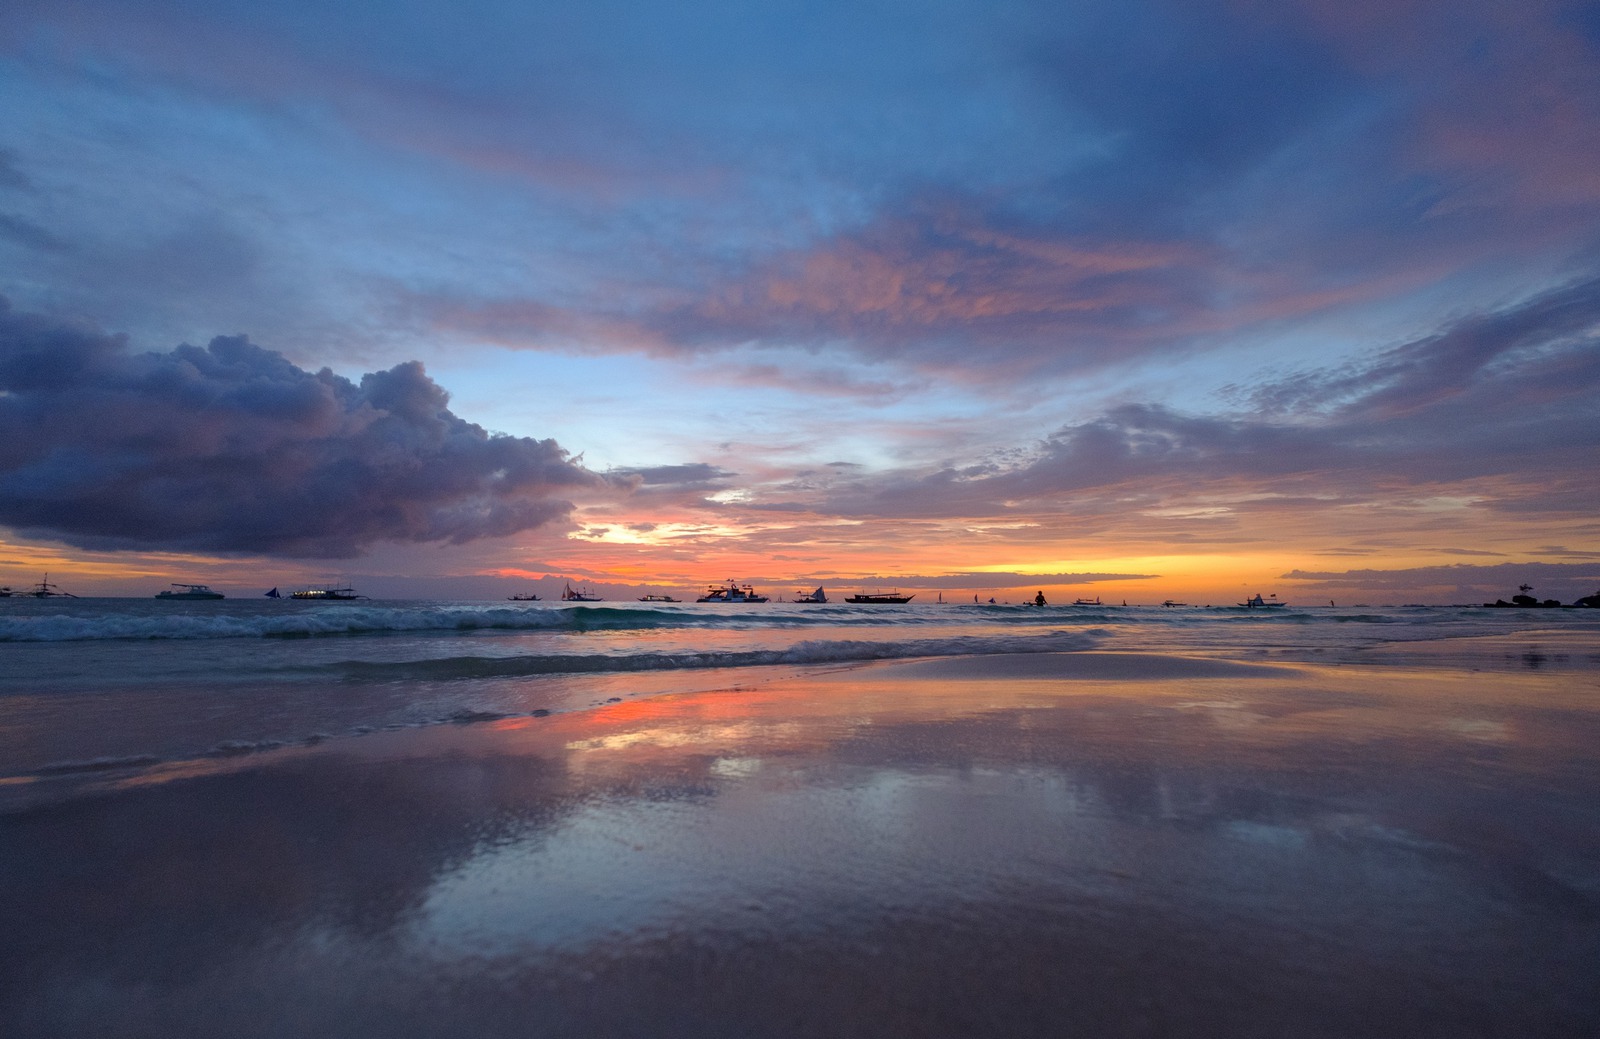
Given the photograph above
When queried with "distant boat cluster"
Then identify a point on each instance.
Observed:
(735, 593)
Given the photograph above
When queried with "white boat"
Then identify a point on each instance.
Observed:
(656, 598)
(731, 592)
(816, 596)
(1255, 602)
(1087, 602)
(341, 594)
(189, 591)
(529, 597)
(569, 595)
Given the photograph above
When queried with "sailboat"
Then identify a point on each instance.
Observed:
(816, 596)
(573, 596)
(274, 594)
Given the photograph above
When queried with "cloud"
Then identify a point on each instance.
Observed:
(1505, 398)
(932, 284)
(1475, 583)
(232, 448)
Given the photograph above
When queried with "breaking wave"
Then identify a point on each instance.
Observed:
(813, 652)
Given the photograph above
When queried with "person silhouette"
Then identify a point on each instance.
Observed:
(1038, 600)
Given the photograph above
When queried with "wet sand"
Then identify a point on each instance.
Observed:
(1085, 844)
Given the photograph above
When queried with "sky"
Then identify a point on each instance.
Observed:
(1139, 300)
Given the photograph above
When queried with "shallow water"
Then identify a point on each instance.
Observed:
(1093, 843)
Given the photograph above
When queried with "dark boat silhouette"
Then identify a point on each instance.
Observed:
(880, 598)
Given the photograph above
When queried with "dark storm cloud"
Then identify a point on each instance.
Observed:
(232, 448)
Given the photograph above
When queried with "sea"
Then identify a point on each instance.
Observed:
(95, 684)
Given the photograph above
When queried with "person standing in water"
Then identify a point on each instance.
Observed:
(1038, 600)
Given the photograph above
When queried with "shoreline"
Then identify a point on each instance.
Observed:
(1565, 656)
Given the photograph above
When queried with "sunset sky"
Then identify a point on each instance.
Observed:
(1143, 300)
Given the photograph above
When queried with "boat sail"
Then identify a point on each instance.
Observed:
(569, 595)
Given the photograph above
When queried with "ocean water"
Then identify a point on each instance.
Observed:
(88, 685)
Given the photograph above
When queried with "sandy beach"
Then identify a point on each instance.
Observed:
(1055, 844)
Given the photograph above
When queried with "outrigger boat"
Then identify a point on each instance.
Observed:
(530, 597)
(1087, 602)
(342, 594)
(1255, 602)
(732, 592)
(568, 595)
(45, 590)
(657, 598)
(816, 596)
(880, 598)
(189, 591)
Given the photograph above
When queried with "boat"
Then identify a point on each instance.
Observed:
(1255, 602)
(6, 593)
(657, 598)
(45, 590)
(273, 594)
(1087, 602)
(816, 596)
(569, 595)
(1169, 603)
(342, 594)
(189, 591)
(530, 597)
(731, 592)
(880, 598)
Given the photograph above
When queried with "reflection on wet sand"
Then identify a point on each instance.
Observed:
(1139, 847)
